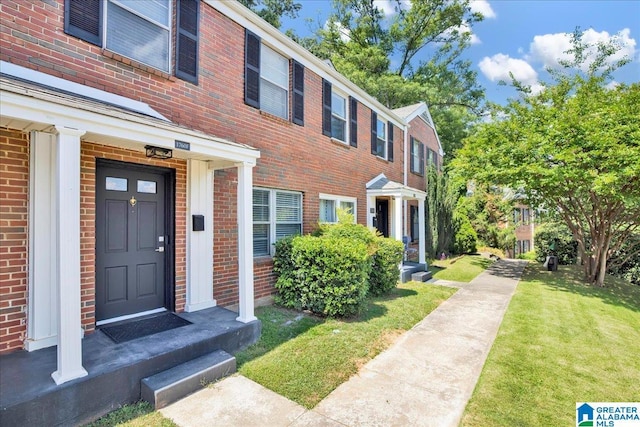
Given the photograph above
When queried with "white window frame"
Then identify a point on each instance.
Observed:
(384, 137)
(337, 202)
(345, 119)
(167, 28)
(272, 216)
(265, 79)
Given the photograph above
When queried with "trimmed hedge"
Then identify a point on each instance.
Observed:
(387, 257)
(328, 276)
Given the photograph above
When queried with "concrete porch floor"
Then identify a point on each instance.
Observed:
(29, 396)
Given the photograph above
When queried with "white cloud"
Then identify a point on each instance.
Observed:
(498, 67)
(483, 7)
(550, 49)
(389, 6)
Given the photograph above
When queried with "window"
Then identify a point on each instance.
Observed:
(276, 214)
(329, 205)
(525, 216)
(139, 30)
(417, 156)
(336, 112)
(274, 83)
(338, 117)
(381, 138)
(266, 81)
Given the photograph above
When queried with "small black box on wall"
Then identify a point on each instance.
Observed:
(197, 222)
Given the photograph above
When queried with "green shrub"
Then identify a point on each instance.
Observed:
(326, 275)
(384, 274)
(559, 237)
(530, 256)
(466, 237)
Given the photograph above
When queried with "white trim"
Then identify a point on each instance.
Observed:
(246, 293)
(130, 316)
(338, 200)
(77, 89)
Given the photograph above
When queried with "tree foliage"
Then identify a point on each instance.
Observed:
(442, 196)
(272, 11)
(410, 56)
(573, 147)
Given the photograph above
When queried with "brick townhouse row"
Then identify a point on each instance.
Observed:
(153, 152)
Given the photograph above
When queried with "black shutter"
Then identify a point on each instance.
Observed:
(83, 19)
(422, 158)
(187, 40)
(412, 162)
(298, 93)
(251, 69)
(390, 141)
(326, 108)
(353, 122)
(374, 133)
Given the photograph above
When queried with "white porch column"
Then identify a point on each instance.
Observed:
(68, 271)
(199, 243)
(397, 219)
(422, 259)
(43, 261)
(245, 242)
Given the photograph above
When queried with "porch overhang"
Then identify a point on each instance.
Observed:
(59, 115)
(381, 186)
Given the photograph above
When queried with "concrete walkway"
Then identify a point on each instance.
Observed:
(424, 379)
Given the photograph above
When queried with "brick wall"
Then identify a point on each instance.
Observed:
(14, 186)
(298, 158)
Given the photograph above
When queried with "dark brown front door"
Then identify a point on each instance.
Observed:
(130, 241)
(382, 216)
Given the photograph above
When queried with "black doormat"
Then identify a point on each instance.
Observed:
(141, 328)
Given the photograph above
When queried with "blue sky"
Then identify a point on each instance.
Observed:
(525, 36)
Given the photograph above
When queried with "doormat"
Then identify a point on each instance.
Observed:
(141, 328)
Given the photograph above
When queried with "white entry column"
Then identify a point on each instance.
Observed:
(245, 242)
(422, 259)
(200, 243)
(397, 219)
(68, 248)
(43, 253)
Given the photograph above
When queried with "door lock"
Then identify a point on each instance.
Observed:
(160, 249)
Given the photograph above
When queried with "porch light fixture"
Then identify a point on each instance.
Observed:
(158, 152)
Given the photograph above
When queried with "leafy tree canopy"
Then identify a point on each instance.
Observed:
(574, 147)
(410, 56)
(273, 10)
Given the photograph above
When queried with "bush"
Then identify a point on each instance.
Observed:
(625, 262)
(387, 257)
(326, 275)
(466, 237)
(530, 256)
(558, 235)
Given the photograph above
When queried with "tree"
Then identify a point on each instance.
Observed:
(574, 147)
(442, 195)
(424, 39)
(273, 10)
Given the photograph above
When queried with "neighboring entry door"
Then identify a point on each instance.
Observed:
(382, 216)
(130, 241)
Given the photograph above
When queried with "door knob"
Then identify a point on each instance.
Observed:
(160, 249)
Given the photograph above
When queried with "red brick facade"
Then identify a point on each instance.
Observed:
(293, 157)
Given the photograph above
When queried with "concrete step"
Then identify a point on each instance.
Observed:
(173, 384)
(421, 276)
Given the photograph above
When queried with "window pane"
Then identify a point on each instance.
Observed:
(327, 211)
(285, 230)
(348, 206)
(382, 130)
(274, 99)
(137, 38)
(338, 105)
(260, 206)
(288, 207)
(380, 146)
(260, 239)
(157, 10)
(116, 184)
(146, 187)
(338, 128)
(274, 67)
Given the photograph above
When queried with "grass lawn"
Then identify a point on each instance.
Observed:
(561, 342)
(136, 415)
(304, 358)
(460, 269)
